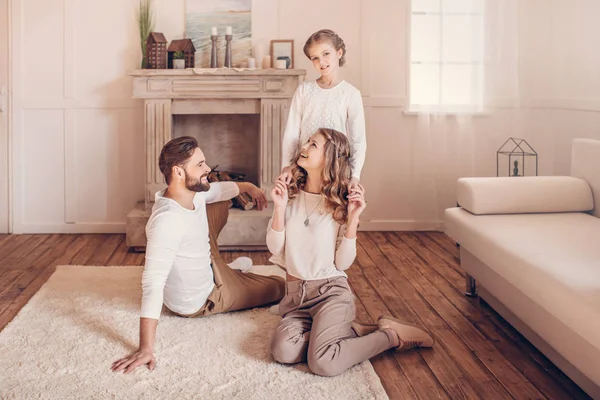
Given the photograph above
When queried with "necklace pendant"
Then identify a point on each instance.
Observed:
(306, 222)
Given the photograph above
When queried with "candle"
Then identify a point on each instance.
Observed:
(251, 62)
(214, 31)
(228, 30)
(266, 64)
(257, 54)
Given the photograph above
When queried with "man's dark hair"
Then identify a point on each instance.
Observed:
(176, 152)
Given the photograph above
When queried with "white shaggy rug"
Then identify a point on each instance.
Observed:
(63, 342)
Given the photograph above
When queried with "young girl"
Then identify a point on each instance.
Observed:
(312, 235)
(328, 102)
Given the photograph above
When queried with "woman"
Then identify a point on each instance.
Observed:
(312, 235)
(328, 102)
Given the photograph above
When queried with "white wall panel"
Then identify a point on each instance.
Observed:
(42, 48)
(41, 176)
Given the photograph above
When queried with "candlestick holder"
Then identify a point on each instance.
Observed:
(213, 54)
(228, 51)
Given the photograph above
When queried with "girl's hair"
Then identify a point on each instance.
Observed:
(335, 176)
(329, 36)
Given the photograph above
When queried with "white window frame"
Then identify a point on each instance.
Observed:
(415, 109)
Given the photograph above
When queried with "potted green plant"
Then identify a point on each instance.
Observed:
(179, 60)
(145, 20)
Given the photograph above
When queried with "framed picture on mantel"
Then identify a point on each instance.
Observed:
(282, 50)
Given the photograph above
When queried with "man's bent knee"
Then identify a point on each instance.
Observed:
(217, 215)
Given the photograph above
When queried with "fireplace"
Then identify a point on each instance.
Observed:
(237, 116)
(229, 141)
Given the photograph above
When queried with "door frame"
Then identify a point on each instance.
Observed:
(5, 119)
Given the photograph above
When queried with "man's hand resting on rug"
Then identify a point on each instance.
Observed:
(145, 354)
(138, 358)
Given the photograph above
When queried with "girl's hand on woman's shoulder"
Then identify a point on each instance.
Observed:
(356, 203)
(286, 175)
(353, 185)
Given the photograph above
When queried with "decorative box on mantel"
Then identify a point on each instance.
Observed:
(169, 94)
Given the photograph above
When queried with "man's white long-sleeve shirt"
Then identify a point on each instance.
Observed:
(178, 261)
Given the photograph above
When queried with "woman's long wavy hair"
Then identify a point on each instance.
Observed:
(335, 176)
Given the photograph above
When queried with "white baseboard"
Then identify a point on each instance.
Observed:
(102, 228)
(105, 228)
(401, 225)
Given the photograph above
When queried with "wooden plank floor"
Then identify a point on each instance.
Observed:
(415, 276)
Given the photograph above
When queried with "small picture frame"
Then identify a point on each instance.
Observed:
(282, 50)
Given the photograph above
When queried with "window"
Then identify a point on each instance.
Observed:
(446, 56)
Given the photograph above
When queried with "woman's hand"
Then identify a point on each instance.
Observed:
(356, 203)
(279, 194)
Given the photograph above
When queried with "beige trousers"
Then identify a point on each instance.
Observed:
(316, 327)
(234, 290)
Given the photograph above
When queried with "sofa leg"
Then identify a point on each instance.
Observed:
(470, 286)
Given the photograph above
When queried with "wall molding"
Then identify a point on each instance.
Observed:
(589, 105)
(80, 104)
(385, 101)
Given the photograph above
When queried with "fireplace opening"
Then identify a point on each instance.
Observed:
(230, 143)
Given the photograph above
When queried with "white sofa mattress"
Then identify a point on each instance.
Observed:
(554, 259)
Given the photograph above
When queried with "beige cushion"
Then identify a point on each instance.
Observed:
(554, 259)
(517, 195)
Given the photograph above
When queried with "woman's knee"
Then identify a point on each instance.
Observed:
(284, 349)
(324, 365)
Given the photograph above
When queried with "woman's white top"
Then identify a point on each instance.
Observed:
(314, 250)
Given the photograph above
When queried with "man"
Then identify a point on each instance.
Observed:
(183, 266)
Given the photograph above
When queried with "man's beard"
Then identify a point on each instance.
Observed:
(196, 185)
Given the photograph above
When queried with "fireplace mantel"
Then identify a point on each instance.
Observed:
(267, 92)
(221, 82)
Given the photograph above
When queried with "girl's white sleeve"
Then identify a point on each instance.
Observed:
(357, 134)
(291, 134)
